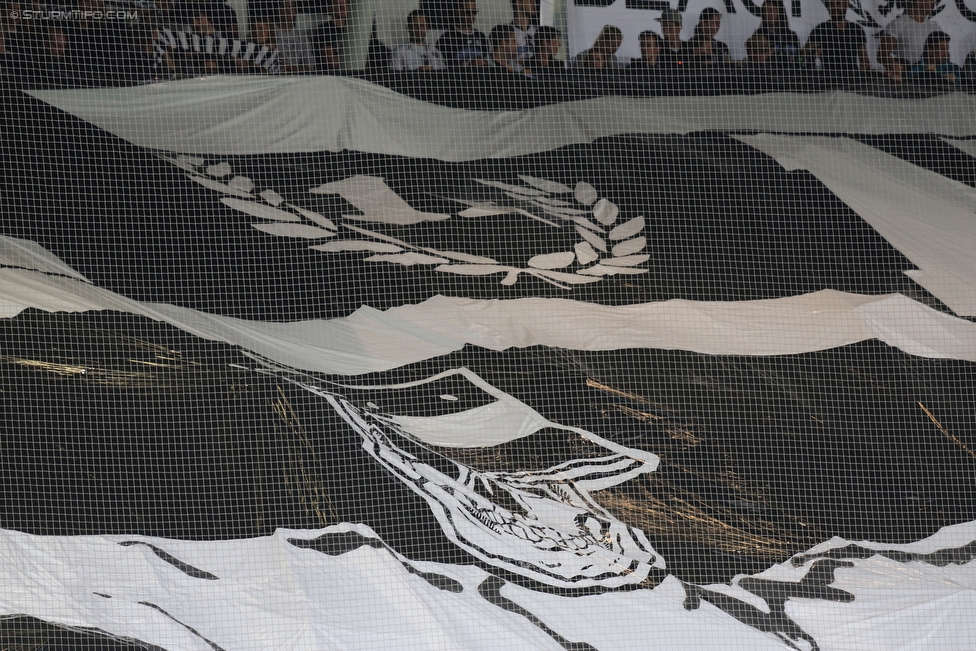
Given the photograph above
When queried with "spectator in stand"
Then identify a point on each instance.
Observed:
(908, 33)
(650, 48)
(548, 42)
(203, 63)
(13, 42)
(294, 44)
(417, 55)
(675, 52)
(838, 43)
(222, 16)
(504, 50)
(164, 15)
(142, 54)
(969, 68)
(706, 51)
(463, 45)
(329, 36)
(782, 41)
(934, 64)
(758, 50)
(603, 54)
(262, 35)
(526, 27)
(95, 46)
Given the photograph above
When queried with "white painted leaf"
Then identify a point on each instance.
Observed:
(511, 278)
(474, 269)
(528, 192)
(315, 217)
(546, 185)
(592, 238)
(218, 186)
(627, 229)
(552, 260)
(520, 196)
(256, 209)
(357, 245)
(567, 213)
(629, 247)
(379, 236)
(586, 223)
(585, 253)
(556, 203)
(181, 162)
(601, 270)
(597, 270)
(569, 279)
(461, 257)
(486, 211)
(626, 261)
(605, 211)
(242, 183)
(585, 193)
(294, 230)
(272, 197)
(407, 259)
(219, 170)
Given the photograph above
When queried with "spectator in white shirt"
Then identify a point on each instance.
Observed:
(504, 50)
(905, 36)
(293, 44)
(525, 24)
(548, 42)
(417, 55)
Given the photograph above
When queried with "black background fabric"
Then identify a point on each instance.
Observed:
(725, 222)
(162, 436)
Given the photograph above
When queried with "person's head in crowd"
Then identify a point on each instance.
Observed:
(262, 34)
(504, 48)
(11, 20)
(774, 15)
(921, 9)
(936, 52)
(609, 40)
(467, 13)
(837, 10)
(202, 24)
(145, 38)
(758, 50)
(671, 28)
(650, 47)
(417, 27)
(547, 43)
(709, 22)
(56, 45)
(287, 14)
(339, 12)
(601, 54)
(526, 13)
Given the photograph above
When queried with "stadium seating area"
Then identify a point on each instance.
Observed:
(93, 44)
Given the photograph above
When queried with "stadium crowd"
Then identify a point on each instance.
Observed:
(139, 41)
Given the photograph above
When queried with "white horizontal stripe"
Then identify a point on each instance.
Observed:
(254, 115)
(370, 340)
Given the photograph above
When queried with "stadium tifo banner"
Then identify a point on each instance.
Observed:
(741, 18)
(698, 387)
